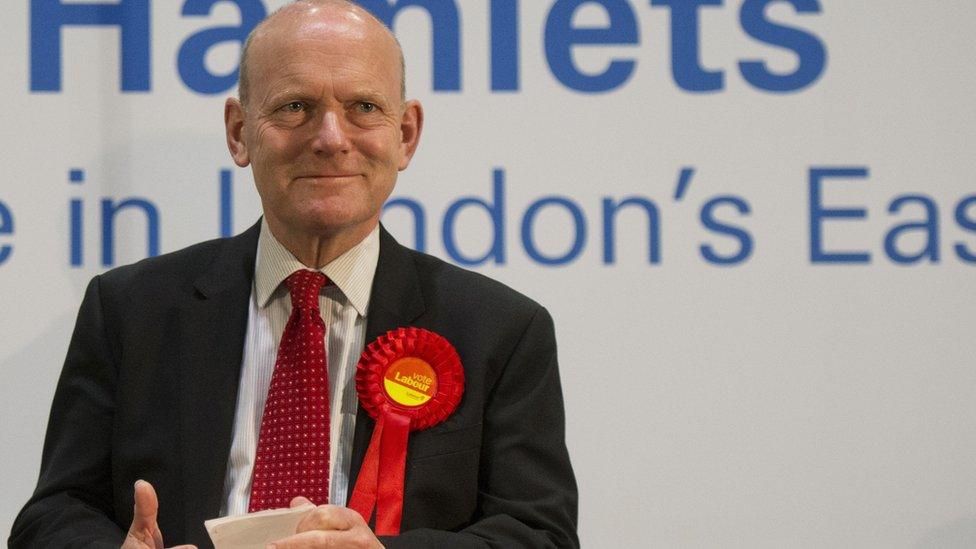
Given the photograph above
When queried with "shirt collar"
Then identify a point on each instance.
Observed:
(352, 272)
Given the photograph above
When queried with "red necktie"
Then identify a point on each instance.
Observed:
(293, 445)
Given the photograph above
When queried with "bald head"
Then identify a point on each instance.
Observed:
(291, 17)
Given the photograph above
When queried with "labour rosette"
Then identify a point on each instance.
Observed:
(408, 379)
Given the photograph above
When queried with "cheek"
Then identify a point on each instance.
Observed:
(381, 146)
(271, 147)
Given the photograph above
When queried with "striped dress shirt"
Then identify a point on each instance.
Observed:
(343, 306)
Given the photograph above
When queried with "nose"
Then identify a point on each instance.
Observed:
(331, 137)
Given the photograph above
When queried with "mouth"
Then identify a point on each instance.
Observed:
(327, 176)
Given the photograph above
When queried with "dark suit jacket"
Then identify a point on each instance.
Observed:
(150, 383)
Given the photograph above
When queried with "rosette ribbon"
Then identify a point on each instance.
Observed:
(407, 380)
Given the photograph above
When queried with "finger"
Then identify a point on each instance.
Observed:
(147, 506)
(314, 538)
(298, 501)
(329, 517)
(318, 538)
(144, 512)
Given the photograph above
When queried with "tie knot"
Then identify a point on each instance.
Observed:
(304, 286)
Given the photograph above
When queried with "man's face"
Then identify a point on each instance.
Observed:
(324, 128)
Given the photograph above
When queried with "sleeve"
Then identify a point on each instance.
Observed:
(72, 504)
(527, 491)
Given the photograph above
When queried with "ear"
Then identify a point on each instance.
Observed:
(234, 127)
(411, 124)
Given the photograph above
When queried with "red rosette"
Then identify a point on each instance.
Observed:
(408, 379)
(410, 343)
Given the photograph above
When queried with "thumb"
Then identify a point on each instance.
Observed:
(144, 527)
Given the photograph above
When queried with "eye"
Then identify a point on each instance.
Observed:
(294, 106)
(366, 107)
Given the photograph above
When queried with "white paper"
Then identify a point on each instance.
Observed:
(255, 530)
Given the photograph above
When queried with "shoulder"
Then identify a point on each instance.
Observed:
(181, 270)
(466, 298)
(168, 267)
(461, 284)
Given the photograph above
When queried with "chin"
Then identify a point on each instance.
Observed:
(330, 221)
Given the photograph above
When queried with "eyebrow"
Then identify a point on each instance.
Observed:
(371, 96)
(303, 91)
(289, 91)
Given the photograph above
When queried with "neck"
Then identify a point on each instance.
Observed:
(315, 250)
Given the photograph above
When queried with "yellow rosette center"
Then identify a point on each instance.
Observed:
(410, 381)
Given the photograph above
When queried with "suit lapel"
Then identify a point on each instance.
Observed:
(213, 324)
(396, 300)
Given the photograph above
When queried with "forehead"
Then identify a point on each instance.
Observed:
(325, 41)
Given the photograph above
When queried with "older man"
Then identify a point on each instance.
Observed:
(183, 368)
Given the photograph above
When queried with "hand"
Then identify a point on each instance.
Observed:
(144, 532)
(329, 526)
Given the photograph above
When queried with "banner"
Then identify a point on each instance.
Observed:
(753, 221)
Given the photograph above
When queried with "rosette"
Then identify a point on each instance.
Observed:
(408, 379)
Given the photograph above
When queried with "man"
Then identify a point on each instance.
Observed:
(173, 359)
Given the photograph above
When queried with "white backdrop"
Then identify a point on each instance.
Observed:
(785, 398)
